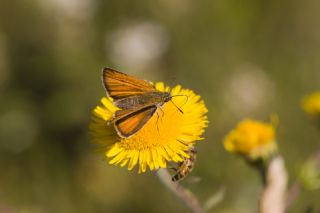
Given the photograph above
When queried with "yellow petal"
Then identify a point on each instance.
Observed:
(118, 158)
(116, 149)
(155, 158)
(133, 159)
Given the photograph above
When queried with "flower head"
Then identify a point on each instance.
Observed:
(252, 139)
(311, 104)
(165, 137)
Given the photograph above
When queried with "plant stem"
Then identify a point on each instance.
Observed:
(189, 199)
(273, 198)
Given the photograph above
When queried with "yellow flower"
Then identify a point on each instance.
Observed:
(160, 140)
(252, 139)
(311, 104)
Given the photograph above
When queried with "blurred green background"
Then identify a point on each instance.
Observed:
(245, 58)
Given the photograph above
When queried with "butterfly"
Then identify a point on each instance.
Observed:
(136, 99)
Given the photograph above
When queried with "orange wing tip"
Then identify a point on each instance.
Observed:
(105, 72)
(104, 77)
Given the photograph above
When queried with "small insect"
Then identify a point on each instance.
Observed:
(137, 99)
(186, 166)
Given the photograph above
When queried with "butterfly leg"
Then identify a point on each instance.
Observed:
(159, 106)
(157, 122)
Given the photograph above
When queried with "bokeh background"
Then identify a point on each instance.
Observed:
(245, 58)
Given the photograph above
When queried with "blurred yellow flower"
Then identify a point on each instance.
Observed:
(311, 104)
(160, 140)
(252, 139)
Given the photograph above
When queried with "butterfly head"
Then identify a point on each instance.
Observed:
(166, 97)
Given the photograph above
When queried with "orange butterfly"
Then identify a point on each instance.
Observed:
(137, 99)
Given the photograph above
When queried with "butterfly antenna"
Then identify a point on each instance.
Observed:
(182, 104)
(177, 107)
(180, 95)
(183, 96)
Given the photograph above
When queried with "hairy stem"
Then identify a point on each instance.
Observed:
(273, 198)
(189, 199)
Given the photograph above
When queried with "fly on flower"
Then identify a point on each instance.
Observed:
(136, 99)
(186, 166)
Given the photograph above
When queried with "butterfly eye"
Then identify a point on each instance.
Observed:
(167, 97)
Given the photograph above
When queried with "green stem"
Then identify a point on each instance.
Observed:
(261, 166)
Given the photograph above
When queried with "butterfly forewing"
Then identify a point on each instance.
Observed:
(128, 122)
(120, 85)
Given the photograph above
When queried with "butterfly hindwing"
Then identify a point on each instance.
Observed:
(120, 85)
(128, 122)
